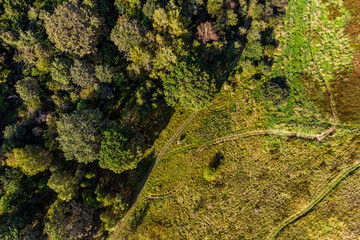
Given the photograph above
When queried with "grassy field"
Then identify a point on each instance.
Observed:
(336, 217)
(246, 188)
(240, 190)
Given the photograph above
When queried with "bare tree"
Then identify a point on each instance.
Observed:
(206, 32)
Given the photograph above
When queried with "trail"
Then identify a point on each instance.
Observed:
(333, 184)
(133, 203)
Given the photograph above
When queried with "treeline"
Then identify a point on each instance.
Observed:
(87, 86)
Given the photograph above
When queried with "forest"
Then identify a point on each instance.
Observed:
(91, 90)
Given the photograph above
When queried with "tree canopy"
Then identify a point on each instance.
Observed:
(73, 29)
(121, 149)
(127, 34)
(188, 84)
(78, 134)
(72, 220)
(32, 159)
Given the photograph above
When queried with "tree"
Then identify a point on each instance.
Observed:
(11, 189)
(73, 29)
(120, 149)
(214, 7)
(83, 74)
(28, 89)
(65, 183)
(104, 73)
(254, 50)
(127, 34)
(32, 159)
(70, 220)
(149, 8)
(12, 137)
(189, 85)
(60, 71)
(206, 32)
(78, 134)
(169, 21)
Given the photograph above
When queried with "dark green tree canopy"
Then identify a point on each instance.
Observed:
(10, 182)
(190, 86)
(73, 29)
(121, 149)
(78, 134)
(12, 137)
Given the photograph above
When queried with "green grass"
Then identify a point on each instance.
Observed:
(309, 41)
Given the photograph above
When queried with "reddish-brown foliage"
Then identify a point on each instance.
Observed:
(346, 88)
(206, 32)
(316, 92)
(346, 92)
(334, 12)
(352, 28)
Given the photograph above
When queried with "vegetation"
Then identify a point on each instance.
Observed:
(73, 29)
(78, 134)
(187, 84)
(117, 152)
(164, 119)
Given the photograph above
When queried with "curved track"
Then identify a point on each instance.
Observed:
(333, 184)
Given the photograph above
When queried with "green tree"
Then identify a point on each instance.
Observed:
(169, 22)
(83, 74)
(127, 34)
(65, 183)
(60, 71)
(11, 189)
(70, 220)
(32, 159)
(254, 51)
(149, 8)
(12, 137)
(104, 73)
(73, 29)
(78, 134)
(189, 85)
(214, 7)
(120, 149)
(28, 89)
